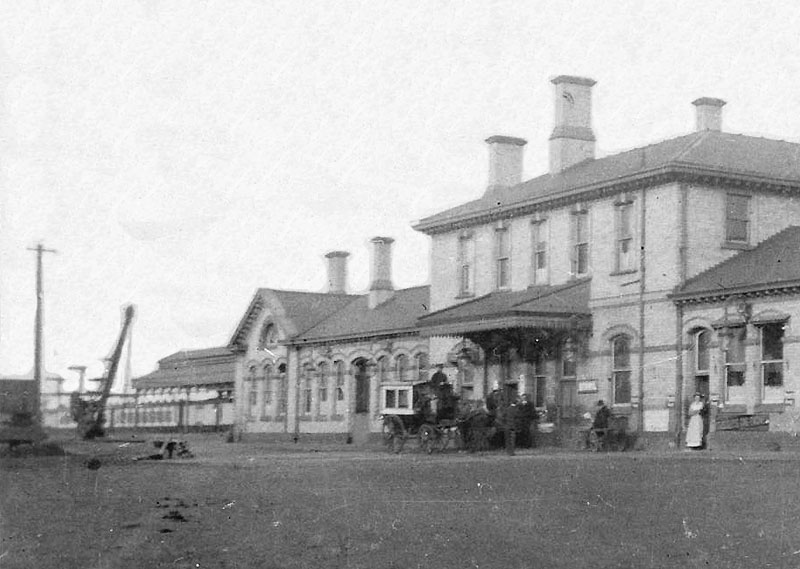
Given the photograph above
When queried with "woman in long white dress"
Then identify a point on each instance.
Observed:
(694, 432)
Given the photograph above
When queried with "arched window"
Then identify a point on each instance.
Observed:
(402, 367)
(383, 369)
(308, 390)
(735, 365)
(339, 380)
(269, 389)
(268, 337)
(322, 386)
(252, 393)
(621, 369)
(282, 389)
(702, 360)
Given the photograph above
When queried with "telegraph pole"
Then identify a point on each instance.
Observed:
(38, 351)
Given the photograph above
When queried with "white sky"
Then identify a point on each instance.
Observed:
(179, 155)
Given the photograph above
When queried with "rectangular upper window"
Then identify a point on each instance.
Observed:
(539, 251)
(466, 265)
(625, 261)
(737, 218)
(580, 242)
(503, 251)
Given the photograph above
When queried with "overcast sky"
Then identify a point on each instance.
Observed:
(179, 155)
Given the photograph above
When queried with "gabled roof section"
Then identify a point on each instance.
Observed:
(186, 355)
(771, 266)
(689, 157)
(209, 367)
(396, 316)
(563, 307)
(294, 311)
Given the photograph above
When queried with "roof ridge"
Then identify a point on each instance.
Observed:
(465, 303)
(703, 135)
(550, 290)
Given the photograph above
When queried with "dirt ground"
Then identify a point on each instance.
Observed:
(266, 506)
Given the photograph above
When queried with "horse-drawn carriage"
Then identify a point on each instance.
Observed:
(425, 411)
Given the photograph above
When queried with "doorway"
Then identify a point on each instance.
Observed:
(361, 419)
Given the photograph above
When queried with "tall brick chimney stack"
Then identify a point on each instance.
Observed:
(709, 113)
(337, 272)
(505, 161)
(381, 288)
(572, 140)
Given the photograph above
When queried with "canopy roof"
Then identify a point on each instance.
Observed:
(563, 307)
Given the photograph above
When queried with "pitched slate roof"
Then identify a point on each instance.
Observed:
(185, 355)
(192, 368)
(705, 153)
(397, 315)
(562, 306)
(296, 311)
(772, 265)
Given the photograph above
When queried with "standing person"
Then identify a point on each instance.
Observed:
(510, 423)
(526, 422)
(694, 431)
(439, 377)
(599, 423)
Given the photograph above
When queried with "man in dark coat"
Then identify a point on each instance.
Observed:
(526, 422)
(602, 416)
(439, 377)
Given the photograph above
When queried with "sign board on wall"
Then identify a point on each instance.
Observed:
(587, 386)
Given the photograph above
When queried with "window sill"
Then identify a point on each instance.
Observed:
(771, 407)
(625, 272)
(461, 295)
(737, 245)
(733, 409)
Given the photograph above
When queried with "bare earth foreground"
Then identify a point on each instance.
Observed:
(268, 506)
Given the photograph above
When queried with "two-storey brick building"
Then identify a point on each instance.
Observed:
(636, 278)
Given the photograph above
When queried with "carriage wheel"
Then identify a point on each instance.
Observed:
(428, 438)
(394, 434)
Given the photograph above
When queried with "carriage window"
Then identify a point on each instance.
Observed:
(391, 398)
(402, 399)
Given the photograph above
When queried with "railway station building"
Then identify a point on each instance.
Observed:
(637, 278)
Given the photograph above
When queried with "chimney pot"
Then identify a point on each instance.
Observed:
(572, 140)
(709, 113)
(505, 161)
(337, 272)
(381, 288)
